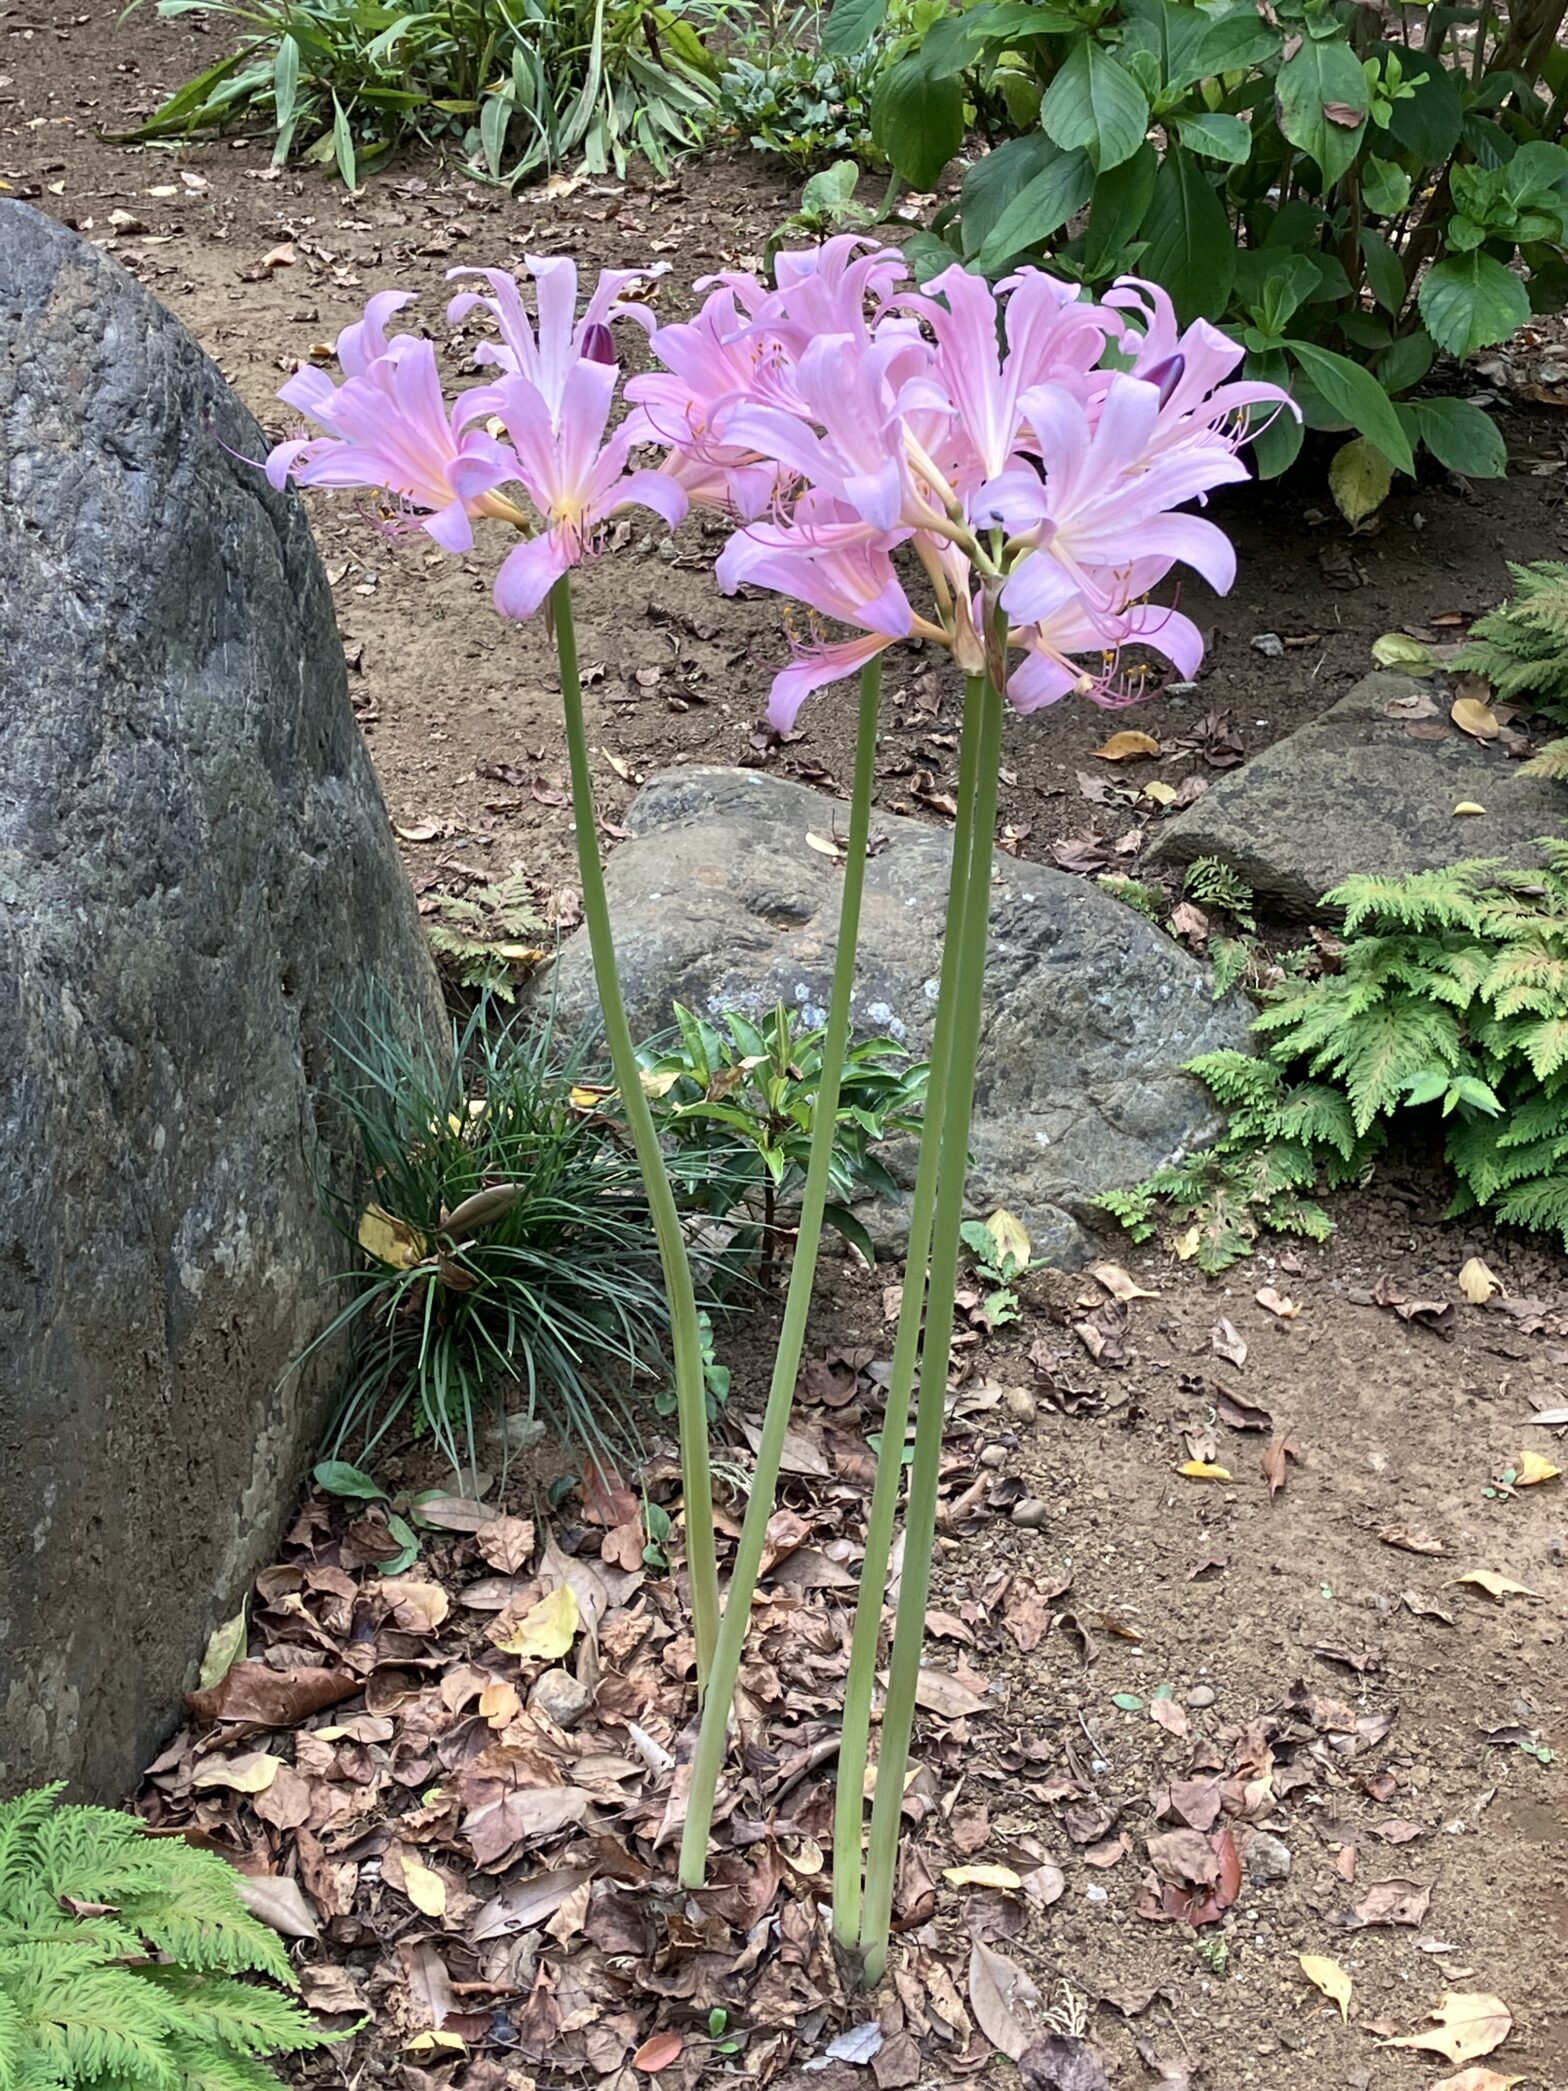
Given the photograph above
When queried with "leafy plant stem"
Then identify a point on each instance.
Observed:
(860, 1682)
(685, 1333)
(957, 1084)
(708, 1761)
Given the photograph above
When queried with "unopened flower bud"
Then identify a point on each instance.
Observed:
(1167, 376)
(598, 347)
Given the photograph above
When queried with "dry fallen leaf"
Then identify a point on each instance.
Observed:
(1061, 2062)
(658, 2052)
(1477, 2080)
(278, 1902)
(1469, 806)
(252, 1773)
(1393, 1902)
(1276, 1303)
(1479, 720)
(1410, 1541)
(1227, 1341)
(548, 1629)
(1496, 1587)
(1477, 1282)
(824, 847)
(1128, 746)
(423, 1886)
(1204, 1470)
(1467, 2023)
(996, 1985)
(1276, 1458)
(1330, 1977)
(981, 1877)
(1119, 1283)
(391, 1241)
(1532, 1470)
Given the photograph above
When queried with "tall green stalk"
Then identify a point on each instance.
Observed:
(860, 1683)
(691, 1400)
(925, 1474)
(708, 1761)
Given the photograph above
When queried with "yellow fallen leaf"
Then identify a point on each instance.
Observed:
(582, 1097)
(807, 1858)
(1359, 477)
(224, 1650)
(1204, 1470)
(1477, 1281)
(499, 1703)
(1468, 806)
(1399, 650)
(252, 1773)
(1478, 2080)
(1471, 716)
(1466, 2024)
(437, 2044)
(1120, 1284)
(981, 1877)
(548, 1629)
(1330, 1977)
(1532, 1470)
(391, 1241)
(657, 1085)
(1185, 1244)
(423, 1886)
(824, 846)
(1011, 1237)
(1163, 794)
(1496, 1587)
(1128, 746)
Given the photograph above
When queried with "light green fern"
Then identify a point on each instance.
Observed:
(1522, 646)
(1451, 996)
(121, 1958)
(490, 938)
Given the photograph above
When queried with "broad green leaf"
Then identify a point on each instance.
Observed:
(1462, 437)
(1322, 76)
(1191, 249)
(494, 118)
(1356, 395)
(1095, 103)
(1429, 123)
(1273, 283)
(1221, 137)
(1385, 188)
(1359, 477)
(928, 255)
(993, 182)
(1118, 207)
(1171, 33)
(1406, 362)
(1234, 43)
(830, 188)
(1385, 272)
(1040, 208)
(1470, 301)
(338, 1478)
(851, 26)
(918, 121)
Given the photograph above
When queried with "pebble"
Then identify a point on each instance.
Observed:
(994, 1456)
(1268, 1859)
(1032, 1513)
(558, 1694)
(1021, 1404)
(1096, 1894)
(1201, 1695)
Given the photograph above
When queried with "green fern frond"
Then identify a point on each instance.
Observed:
(84, 2006)
(1542, 1202)
(1442, 899)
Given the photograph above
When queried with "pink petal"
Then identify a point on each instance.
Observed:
(528, 573)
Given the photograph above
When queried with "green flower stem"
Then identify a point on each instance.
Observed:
(925, 1474)
(691, 1398)
(708, 1761)
(860, 1683)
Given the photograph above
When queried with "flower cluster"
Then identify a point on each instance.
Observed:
(1032, 453)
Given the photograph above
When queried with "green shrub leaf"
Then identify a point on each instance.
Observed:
(1191, 248)
(1323, 104)
(1471, 301)
(917, 120)
(1357, 397)
(1462, 436)
(1095, 103)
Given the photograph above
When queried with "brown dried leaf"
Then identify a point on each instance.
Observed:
(506, 1544)
(269, 1698)
(996, 1987)
(1467, 2023)
(1392, 1902)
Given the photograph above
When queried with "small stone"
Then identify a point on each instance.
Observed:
(994, 1456)
(1267, 1861)
(558, 1694)
(1269, 644)
(1201, 1695)
(1096, 1894)
(1032, 1513)
(1020, 1404)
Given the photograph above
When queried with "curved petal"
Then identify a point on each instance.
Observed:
(653, 489)
(794, 684)
(528, 573)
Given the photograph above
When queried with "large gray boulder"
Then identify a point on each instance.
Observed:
(721, 903)
(1358, 791)
(196, 877)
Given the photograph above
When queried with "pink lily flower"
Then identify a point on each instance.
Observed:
(545, 356)
(1190, 368)
(827, 560)
(1106, 498)
(388, 427)
(710, 367)
(1052, 336)
(575, 478)
(1048, 670)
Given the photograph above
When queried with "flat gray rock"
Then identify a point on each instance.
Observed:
(720, 902)
(1354, 792)
(196, 879)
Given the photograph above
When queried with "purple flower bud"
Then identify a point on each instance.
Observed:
(598, 347)
(1167, 375)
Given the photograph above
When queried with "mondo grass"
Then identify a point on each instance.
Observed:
(510, 1264)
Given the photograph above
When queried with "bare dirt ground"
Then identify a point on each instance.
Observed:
(1272, 1653)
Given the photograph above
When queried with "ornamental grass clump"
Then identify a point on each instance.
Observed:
(1024, 452)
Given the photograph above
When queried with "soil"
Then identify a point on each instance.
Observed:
(1394, 1425)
